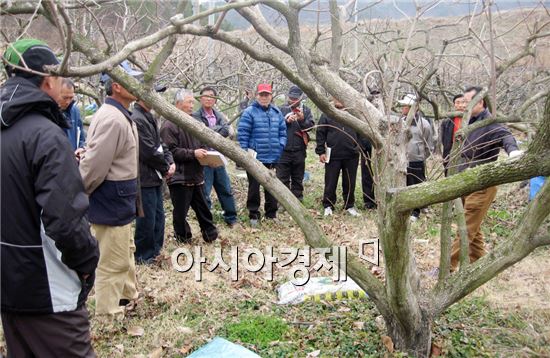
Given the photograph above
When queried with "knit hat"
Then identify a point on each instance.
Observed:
(295, 92)
(28, 53)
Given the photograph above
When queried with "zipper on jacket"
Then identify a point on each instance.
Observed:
(269, 126)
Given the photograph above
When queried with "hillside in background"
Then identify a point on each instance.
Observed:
(387, 10)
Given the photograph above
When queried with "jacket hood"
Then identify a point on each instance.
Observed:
(19, 97)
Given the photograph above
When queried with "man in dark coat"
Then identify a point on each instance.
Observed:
(367, 180)
(292, 164)
(187, 184)
(449, 127)
(337, 147)
(49, 255)
(480, 146)
(155, 163)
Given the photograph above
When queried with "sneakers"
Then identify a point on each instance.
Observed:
(353, 212)
(413, 218)
(254, 223)
(328, 211)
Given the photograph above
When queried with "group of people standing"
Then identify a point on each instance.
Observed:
(279, 139)
(50, 257)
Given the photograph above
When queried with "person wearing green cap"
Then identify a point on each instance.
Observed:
(49, 255)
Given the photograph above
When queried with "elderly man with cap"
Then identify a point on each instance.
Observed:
(109, 169)
(48, 252)
(420, 147)
(262, 130)
(292, 164)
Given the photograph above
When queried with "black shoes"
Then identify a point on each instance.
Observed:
(184, 239)
(370, 205)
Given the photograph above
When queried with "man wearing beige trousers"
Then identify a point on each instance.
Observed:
(481, 146)
(109, 169)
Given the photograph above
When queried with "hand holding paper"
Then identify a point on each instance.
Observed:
(213, 159)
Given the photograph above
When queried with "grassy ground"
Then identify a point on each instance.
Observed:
(176, 315)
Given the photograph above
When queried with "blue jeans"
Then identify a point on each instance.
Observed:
(149, 235)
(218, 178)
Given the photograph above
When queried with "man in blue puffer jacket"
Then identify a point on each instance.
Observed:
(262, 129)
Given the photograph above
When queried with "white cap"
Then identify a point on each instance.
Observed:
(408, 100)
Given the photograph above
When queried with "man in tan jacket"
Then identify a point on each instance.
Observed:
(109, 170)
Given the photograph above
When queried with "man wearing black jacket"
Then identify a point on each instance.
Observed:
(48, 253)
(367, 180)
(187, 184)
(292, 163)
(341, 142)
(481, 146)
(155, 162)
(449, 127)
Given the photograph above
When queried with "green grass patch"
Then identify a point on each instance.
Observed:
(257, 330)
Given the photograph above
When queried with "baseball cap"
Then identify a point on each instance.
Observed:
(264, 88)
(408, 100)
(295, 92)
(30, 53)
(125, 65)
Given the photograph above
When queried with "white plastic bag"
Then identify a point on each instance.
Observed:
(319, 288)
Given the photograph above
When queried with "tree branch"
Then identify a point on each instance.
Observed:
(164, 53)
(483, 176)
(68, 38)
(336, 42)
(445, 242)
(528, 50)
(178, 22)
(29, 7)
(264, 29)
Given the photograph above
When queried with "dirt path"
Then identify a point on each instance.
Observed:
(525, 286)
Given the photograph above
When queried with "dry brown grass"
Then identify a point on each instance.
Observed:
(178, 314)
